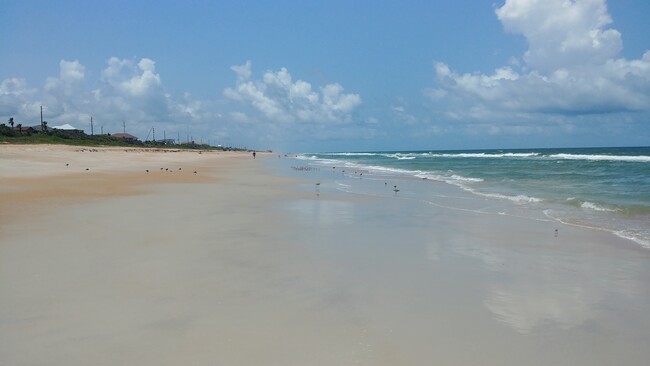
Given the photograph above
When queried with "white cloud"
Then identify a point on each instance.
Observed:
(562, 33)
(280, 99)
(571, 67)
(13, 94)
(72, 71)
(135, 91)
(138, 81)
(71, 75)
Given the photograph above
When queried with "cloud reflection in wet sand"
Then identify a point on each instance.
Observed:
(566, 291)
(322, 212)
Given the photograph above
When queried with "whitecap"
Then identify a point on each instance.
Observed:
(592, 206)
(626, 158)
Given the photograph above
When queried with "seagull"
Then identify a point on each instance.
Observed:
(396, 190)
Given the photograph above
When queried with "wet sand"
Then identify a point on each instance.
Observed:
(241, 264)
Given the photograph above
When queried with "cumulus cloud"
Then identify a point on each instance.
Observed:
(134, 89)
(13, 93)
(137, 80)
(280, 99)
(571, 67)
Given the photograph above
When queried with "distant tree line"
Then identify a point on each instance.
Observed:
(11, 132)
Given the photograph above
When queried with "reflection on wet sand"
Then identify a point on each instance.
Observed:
(322, 212)
(534, 290)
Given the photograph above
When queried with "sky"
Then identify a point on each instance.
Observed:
(335, 75)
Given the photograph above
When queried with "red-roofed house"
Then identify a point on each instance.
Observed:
(126, 136)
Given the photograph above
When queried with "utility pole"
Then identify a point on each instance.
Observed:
(41, 117)
(102, 129)
(153, 130)
(92, 131)
(123, 126)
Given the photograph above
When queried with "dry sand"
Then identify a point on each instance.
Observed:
(237, 265)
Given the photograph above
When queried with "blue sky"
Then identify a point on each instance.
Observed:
(335, 75)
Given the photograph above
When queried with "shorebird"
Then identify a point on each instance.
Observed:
(396, 190)
(195, 172)
(87, 169)
(147, 170)
(67, 164)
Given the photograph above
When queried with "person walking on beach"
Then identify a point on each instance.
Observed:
(253, 154)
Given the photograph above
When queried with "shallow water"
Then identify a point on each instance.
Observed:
(604, 188)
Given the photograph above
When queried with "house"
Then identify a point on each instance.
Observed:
(66, 127)
(126, 136)
(25, 129)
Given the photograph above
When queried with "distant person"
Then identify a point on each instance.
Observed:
(253, 154)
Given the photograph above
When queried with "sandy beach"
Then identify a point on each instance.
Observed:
(216, 258)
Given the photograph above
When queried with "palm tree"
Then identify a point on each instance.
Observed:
(11, 122)
(20, 128)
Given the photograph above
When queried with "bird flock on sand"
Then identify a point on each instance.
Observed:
(146, 170)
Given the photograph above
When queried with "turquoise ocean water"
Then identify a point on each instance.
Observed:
(602, 188)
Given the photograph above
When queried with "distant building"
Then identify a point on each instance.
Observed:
(37, 128)
(26, 129)
(126, 136)
(67, 127)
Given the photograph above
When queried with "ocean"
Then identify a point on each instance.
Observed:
(601, 188)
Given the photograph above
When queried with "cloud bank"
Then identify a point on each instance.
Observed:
(571, 67)
(127, 90)
(133, 91)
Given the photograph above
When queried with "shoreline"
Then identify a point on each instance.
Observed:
(250, 262)
(629, 222)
